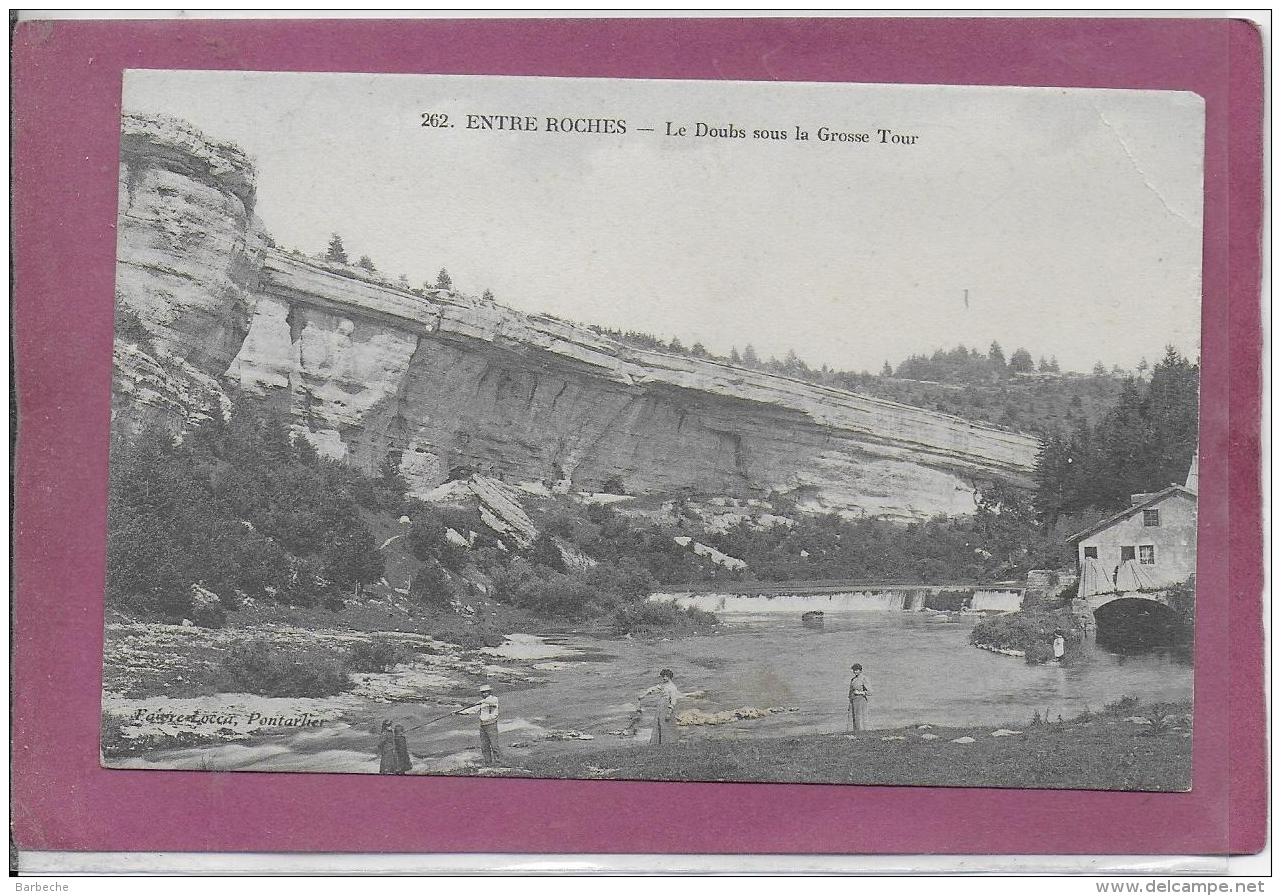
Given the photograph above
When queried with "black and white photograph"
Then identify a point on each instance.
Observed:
(654, 430)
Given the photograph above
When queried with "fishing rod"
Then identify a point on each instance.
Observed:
(445, 716)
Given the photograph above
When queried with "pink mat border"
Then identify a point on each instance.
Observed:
(66, 102)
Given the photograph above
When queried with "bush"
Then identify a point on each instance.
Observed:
(238, 506)
(1029, 631)
(560, 524)
(254, 667)
(308, 588)
(600, 513)
(130, 328)
(471, 635)
(613, 485)
(237, 558)
(432, 587)
(426, 536)
(209, 614)
(1160, 718)
(580, 594)
(1063, 597)
(379, 655)
(655, 618)
(1126, 703)
(627, 579)
(353, 559)
(1037, 653)
(558, 596)
(545, 552)
(1183, 601)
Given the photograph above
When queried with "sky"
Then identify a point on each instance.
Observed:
(1071, 219)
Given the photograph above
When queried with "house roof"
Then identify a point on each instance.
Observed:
(1154, 498)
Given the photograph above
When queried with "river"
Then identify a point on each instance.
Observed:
(921, 670)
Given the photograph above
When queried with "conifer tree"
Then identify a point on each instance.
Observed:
(1021, 361)
(336, 252)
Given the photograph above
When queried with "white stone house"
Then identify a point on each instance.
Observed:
(1149, 545)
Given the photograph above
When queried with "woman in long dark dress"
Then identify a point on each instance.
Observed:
(388, 764)
(403, 762)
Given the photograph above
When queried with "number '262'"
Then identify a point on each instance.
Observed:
(435, 120)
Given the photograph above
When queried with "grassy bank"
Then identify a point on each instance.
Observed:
(1105, 752)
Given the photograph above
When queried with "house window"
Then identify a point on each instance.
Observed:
(1127, 554)
(1147, 554)
(1151, 517)
(1091, 553)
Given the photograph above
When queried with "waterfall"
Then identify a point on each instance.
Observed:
(871, 600)
(874, 601)
(1004, 601)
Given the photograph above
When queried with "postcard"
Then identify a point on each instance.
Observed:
(657, 430)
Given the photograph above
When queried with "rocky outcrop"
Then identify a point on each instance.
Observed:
(189, 247)
(442, 383)
(189, 258)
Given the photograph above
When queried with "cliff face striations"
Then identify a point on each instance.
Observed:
(367, 370)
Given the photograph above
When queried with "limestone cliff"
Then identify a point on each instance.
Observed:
(441, 382)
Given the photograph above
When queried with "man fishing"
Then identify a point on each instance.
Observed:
(393, 745)
(489, 726)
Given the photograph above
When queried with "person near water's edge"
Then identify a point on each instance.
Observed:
(666, 694)
(401, 744)
(489, 726)
(859, 692)
(387, 763)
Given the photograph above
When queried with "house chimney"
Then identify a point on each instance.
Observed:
(1191, 484)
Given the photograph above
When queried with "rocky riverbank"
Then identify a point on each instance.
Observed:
(163, 685)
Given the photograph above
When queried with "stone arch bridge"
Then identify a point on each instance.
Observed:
(1096, 602)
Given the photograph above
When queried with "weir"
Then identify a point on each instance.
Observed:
(871, 599)
(998, 600)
